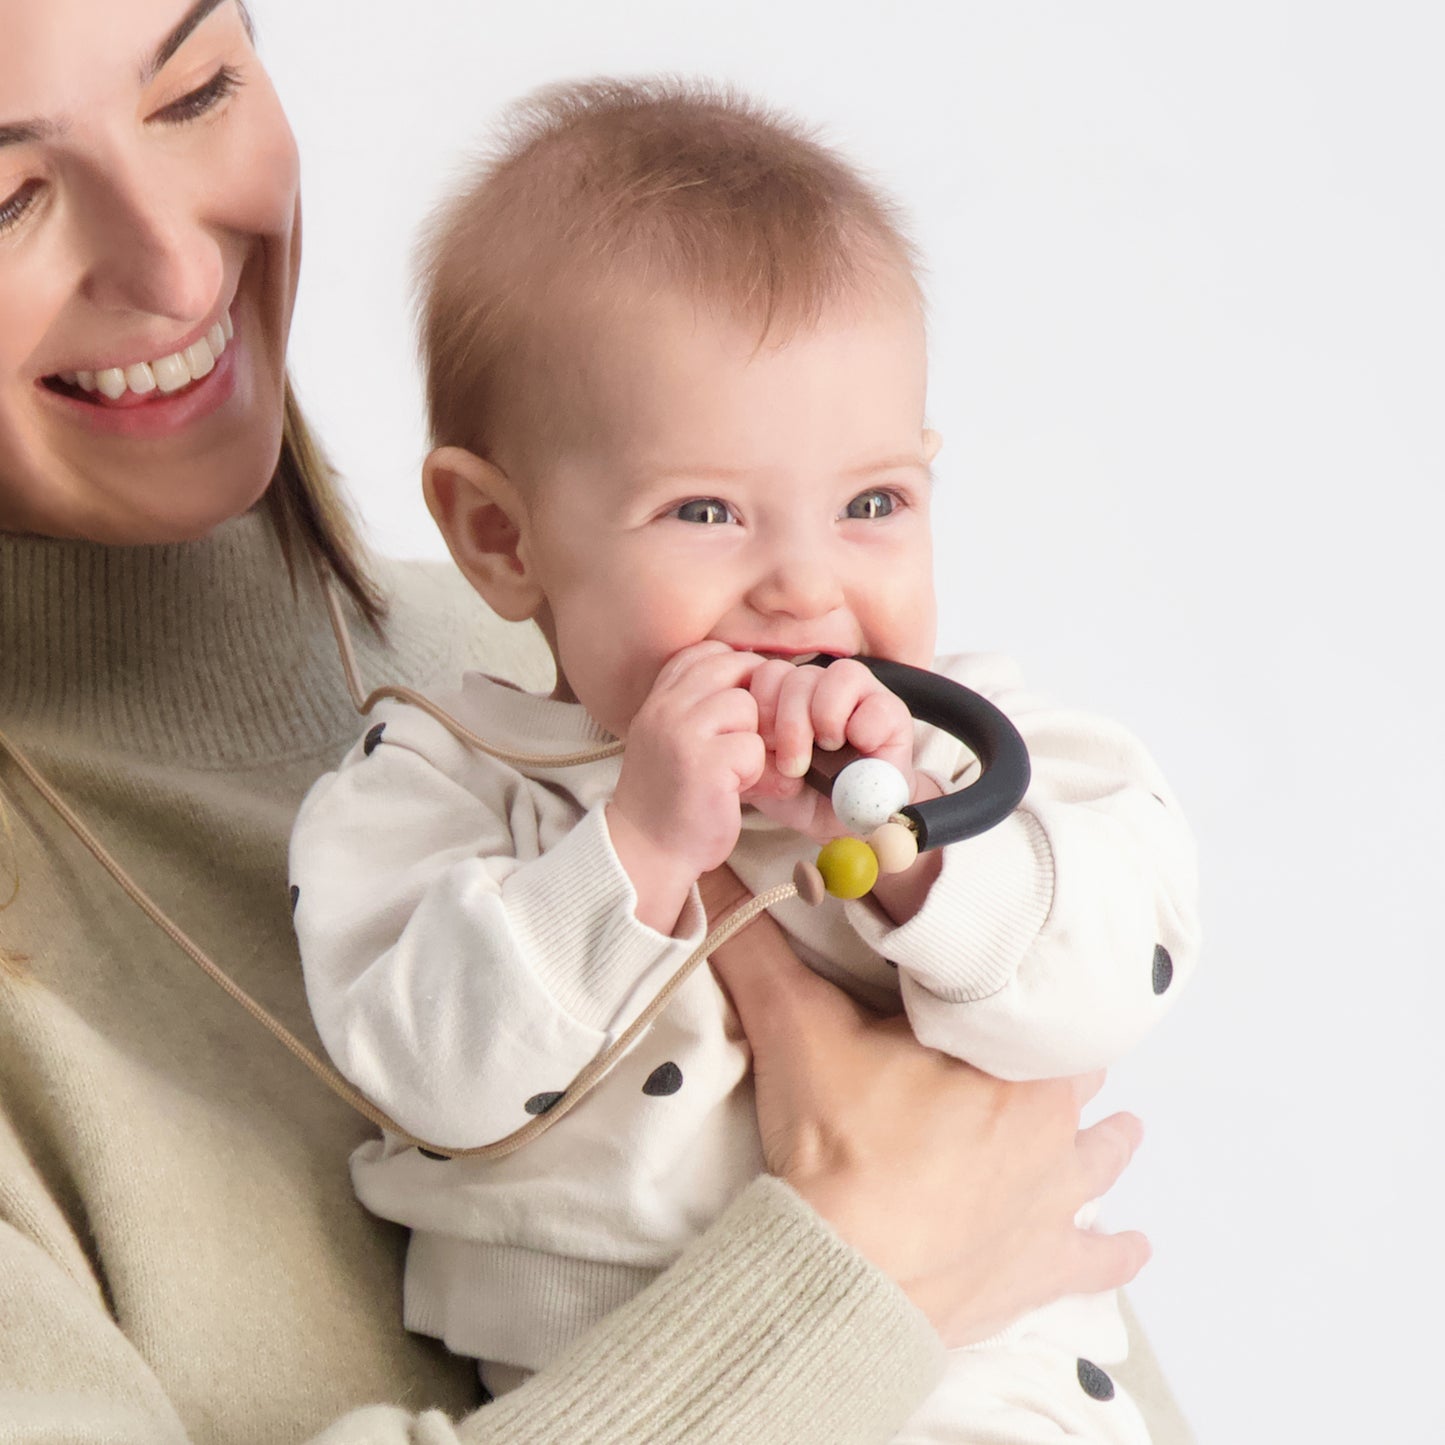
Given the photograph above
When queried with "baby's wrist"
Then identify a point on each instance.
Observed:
(661, 880)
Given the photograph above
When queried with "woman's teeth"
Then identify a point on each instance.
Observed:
(166, 374)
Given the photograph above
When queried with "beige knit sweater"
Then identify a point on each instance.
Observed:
(181, 1256)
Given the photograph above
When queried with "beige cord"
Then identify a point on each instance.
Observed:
(585, 1081)
(14, 851)
(405, 694)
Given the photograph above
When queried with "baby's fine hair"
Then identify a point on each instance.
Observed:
(609, 188)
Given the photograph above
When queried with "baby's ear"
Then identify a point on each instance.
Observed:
(483, 520)
(932, 442)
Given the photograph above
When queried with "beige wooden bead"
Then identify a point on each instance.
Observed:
(809, 883)
(895, 846)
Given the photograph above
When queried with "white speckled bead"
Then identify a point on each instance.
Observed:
(867, 793)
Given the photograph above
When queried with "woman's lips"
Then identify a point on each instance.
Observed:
(156, 414)
(122, 385)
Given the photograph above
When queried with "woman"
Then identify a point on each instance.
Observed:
(180, 1254)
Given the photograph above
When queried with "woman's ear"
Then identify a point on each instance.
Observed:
(484, 522)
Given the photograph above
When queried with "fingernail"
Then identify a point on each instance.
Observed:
(792, 767)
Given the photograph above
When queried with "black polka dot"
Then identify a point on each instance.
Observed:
(663, 1080)
(540, 1103)
(1097, 1385)
(1163, 968)
(429, 1153)
(372, 739)
(295, 899)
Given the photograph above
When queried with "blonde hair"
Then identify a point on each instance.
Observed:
(312, 518)
(608, 185)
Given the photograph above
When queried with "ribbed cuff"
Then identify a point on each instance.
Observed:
(986, 907)
(575, 910)
(768, 1328)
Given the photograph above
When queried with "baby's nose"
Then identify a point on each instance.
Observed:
(799, 582)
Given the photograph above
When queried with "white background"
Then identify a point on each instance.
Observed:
(1188, 313)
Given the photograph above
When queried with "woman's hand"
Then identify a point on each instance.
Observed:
(959, 1186)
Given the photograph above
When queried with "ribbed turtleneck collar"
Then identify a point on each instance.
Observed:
(198, 652)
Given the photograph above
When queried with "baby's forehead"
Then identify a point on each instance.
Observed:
(594, 324)
(590, 341)
(671, 385)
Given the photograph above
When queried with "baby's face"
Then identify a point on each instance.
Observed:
(775, 498)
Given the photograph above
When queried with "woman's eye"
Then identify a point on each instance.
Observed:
(16, 204)
(703, 509)
(192, 106)
(870, 505)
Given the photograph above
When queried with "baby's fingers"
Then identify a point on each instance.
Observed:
(851, 705)
(882, 727)
(701, 670)
(792, 731)
(766, 686)
(743, 754)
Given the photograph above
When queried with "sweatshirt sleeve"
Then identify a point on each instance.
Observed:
(1050, 944)
(451, 980)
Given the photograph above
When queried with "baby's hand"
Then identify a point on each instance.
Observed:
(692, 749)
(800, 707)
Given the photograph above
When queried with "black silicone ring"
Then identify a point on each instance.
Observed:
(1002, 757)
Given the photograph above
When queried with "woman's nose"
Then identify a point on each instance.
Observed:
(148, 252)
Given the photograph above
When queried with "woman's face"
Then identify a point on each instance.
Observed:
(148, 256)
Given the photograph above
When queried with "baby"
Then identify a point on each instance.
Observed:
(676, 371)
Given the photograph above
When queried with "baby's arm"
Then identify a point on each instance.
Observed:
(454, 984)
(1051, 943)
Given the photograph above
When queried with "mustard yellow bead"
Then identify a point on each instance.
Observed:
(849, 867)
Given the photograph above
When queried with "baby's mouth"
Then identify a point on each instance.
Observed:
(165, 377)
(796, 658)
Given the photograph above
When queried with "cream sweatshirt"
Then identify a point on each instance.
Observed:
(469, 944)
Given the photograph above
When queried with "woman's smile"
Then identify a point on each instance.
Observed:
(155, 398)
(126, 383)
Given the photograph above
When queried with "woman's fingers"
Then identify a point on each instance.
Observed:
(1087, 1085)
(1108, 1261)
(1104, 1151)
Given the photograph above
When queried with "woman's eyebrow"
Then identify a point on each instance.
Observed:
(23, 131)
(178, 37)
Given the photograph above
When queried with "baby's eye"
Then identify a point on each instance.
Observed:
(870, 505)
(705, 510)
